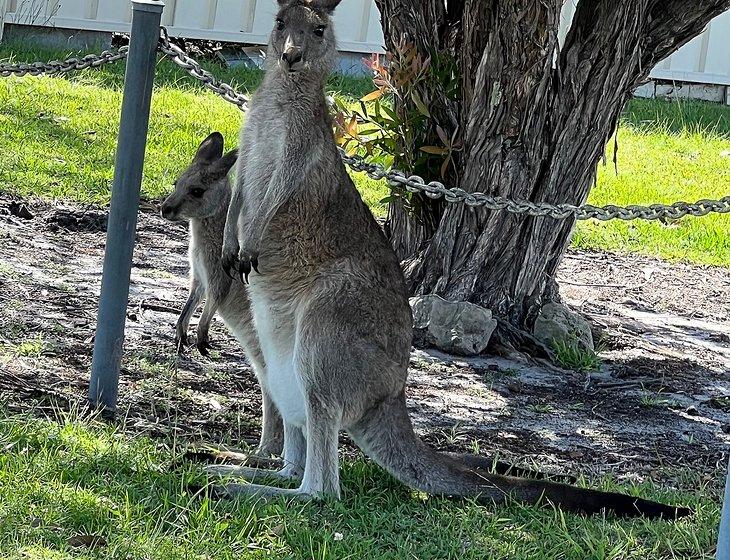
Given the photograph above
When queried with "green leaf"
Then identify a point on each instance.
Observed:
(420, 104)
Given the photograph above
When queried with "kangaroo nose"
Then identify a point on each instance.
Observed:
(291, 56)
(166, 210)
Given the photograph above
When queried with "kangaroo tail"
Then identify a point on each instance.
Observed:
(386, 434)
(481, 463)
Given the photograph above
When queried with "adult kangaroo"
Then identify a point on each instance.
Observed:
(329, 299)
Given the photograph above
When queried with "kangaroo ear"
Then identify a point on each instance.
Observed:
(210, 149)
(220, 168)
(326, 5)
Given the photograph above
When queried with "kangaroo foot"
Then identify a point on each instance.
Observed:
(259, 491)
(181, 341)
(204, 346)
(253, 473)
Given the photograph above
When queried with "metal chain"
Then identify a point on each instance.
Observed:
(395, 178)
(61, 67)
(435, 189)
(192, 67)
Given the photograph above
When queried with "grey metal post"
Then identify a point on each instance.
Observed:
(138, 80)
(723, 540)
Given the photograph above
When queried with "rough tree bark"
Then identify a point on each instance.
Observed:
(534, 120)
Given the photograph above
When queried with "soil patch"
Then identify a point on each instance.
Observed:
(661, 399)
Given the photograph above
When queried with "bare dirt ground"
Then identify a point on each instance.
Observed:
(661, 398)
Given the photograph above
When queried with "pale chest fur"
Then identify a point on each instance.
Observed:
(275, 328)
(197, 257)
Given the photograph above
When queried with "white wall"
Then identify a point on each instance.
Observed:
(705, 59)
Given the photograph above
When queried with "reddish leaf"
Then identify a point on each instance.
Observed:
(442, 135)
(352, 126)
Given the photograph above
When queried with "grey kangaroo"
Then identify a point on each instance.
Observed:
(329, 299)
(201, 196)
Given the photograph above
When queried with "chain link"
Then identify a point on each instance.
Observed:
(61, 67)
(395, 178)
(192, 67)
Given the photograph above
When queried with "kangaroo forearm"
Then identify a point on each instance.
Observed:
(230, 232)
(286, 180)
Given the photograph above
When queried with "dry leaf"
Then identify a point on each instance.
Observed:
(373, 95)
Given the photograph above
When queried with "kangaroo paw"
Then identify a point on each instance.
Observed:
(229, 263)
(244, 269)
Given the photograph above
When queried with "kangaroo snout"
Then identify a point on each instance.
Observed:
(168, 210)
(290, 57)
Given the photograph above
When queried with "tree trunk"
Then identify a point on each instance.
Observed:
(534, 121)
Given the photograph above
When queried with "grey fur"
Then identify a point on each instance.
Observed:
(206, 215)
(330, 304)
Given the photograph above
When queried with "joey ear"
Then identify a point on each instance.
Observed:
(326, 5)
(220, 168)
(210, 149)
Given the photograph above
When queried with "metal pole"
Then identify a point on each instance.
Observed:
(723, 540)
(124, 206)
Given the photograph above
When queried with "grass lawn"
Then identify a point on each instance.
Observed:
(67, 483)
(57, 139)
(63, 482)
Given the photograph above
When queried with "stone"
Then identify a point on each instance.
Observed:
(558, 323)
(645, 90)
(460, 328)
(672, 90)
(707, 92)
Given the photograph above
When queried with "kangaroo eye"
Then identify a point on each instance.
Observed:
(319, 31)
(279, 24)
(197, 193)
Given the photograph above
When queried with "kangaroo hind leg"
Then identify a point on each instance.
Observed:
(321, 471)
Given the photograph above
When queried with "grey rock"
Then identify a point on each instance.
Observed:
(461, 328)
(558, 323)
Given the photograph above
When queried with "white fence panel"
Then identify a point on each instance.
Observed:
(705, 59)
(244, 21)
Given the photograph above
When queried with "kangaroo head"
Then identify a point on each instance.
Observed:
(302, 38)
(202, 190)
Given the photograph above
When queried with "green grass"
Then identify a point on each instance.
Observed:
(667, 151)
(572, 355)
(65, 479)
(57, 140)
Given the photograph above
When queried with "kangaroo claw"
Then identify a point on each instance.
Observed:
(227, 269)
(244, 269)
(255, 264)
